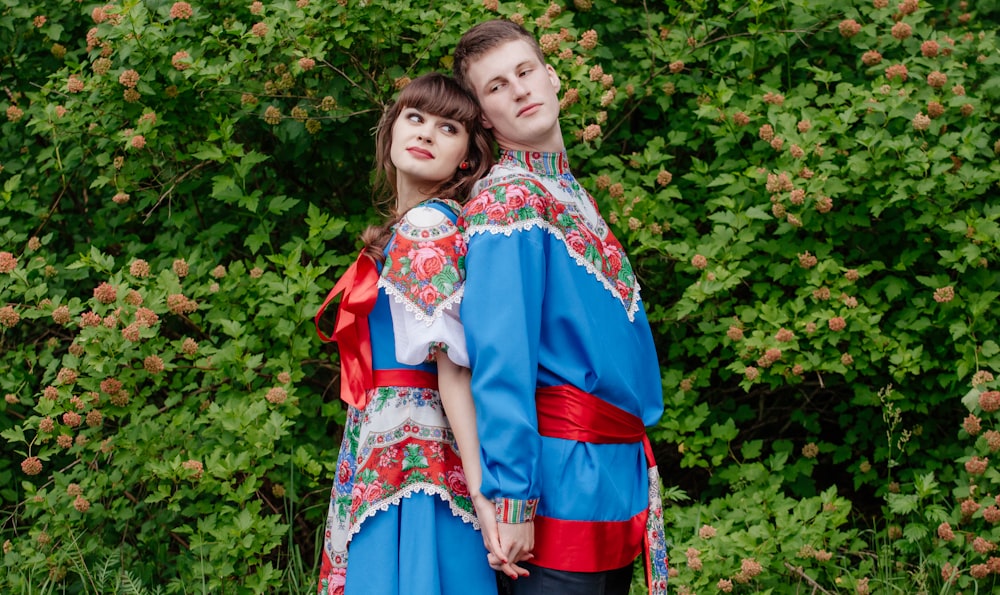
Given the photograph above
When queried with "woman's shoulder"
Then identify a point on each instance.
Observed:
(429, 221)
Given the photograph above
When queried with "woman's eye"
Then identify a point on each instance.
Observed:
(414, 117)
(450, 128)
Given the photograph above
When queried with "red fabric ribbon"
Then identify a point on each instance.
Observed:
(565, 411)
(360, 288)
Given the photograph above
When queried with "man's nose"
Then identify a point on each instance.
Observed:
(519, 88)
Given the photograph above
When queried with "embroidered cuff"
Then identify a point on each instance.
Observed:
(515, 511)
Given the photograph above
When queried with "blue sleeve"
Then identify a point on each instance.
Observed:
(501, 311)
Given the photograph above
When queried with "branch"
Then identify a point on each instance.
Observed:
(176, 181)
(816, 586)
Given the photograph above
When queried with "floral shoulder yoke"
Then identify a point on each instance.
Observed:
(425, 260)
(520, 201)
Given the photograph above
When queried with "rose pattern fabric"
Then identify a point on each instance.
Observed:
(522, 202)
(425, 265)
(413, 450)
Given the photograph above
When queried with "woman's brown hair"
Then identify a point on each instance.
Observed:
(440, 95)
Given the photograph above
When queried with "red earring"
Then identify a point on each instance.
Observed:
(463, 165)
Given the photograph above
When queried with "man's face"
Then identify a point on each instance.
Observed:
(519, 97)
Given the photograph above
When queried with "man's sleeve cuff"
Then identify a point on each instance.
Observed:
(515, 511)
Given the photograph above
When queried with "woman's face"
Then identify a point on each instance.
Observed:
(426, 149)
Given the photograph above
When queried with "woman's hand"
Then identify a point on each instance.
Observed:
(498, 558)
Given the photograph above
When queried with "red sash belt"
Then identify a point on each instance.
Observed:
(406, 377)
(567, 412)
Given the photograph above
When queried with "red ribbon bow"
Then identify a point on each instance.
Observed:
(360, 288)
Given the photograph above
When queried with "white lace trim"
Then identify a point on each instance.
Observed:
(340, 537)
(525, 225)
(412, 307)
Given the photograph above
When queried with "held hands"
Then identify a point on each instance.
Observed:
(507, 543)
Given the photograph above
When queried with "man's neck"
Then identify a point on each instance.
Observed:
(560, 148)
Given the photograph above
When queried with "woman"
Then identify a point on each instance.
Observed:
(402, 517)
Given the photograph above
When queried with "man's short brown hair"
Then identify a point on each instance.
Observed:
(484, 37)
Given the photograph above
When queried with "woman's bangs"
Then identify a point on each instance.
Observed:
(442, 98)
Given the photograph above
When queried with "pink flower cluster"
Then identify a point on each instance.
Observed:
(181, 10)
(849, 28)
(276, 395)
(139, 268)
(14, 113)
(937, 79)
(105, 293)
(895, 71)
(901, 30)
(749, 568)
(871, 58)
(31, 466)
(195, 467)
(976, 465)
(181, 60)
(693, 558)
(989, 401)
(74, 84)
(131, 333)
(9, 316)
(807, 260)
(153, 364)
(189, 346)
(774, 98)
(7, 262)
(180, 267)
(129, 78)
(944, 294)
(181, 304)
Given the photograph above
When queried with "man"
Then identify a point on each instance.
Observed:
(564, 371)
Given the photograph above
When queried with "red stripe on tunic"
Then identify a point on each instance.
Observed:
(587, 546)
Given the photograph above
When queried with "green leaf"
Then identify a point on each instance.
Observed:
(280, 204)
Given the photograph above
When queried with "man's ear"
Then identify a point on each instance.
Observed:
(486, 122)
(553, 77)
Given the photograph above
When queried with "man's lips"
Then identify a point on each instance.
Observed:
(420, 153)
(528, 108)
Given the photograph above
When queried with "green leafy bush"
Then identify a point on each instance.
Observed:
(806, 190)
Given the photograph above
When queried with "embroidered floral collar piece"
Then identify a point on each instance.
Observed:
(552, 165)
(529, 189)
